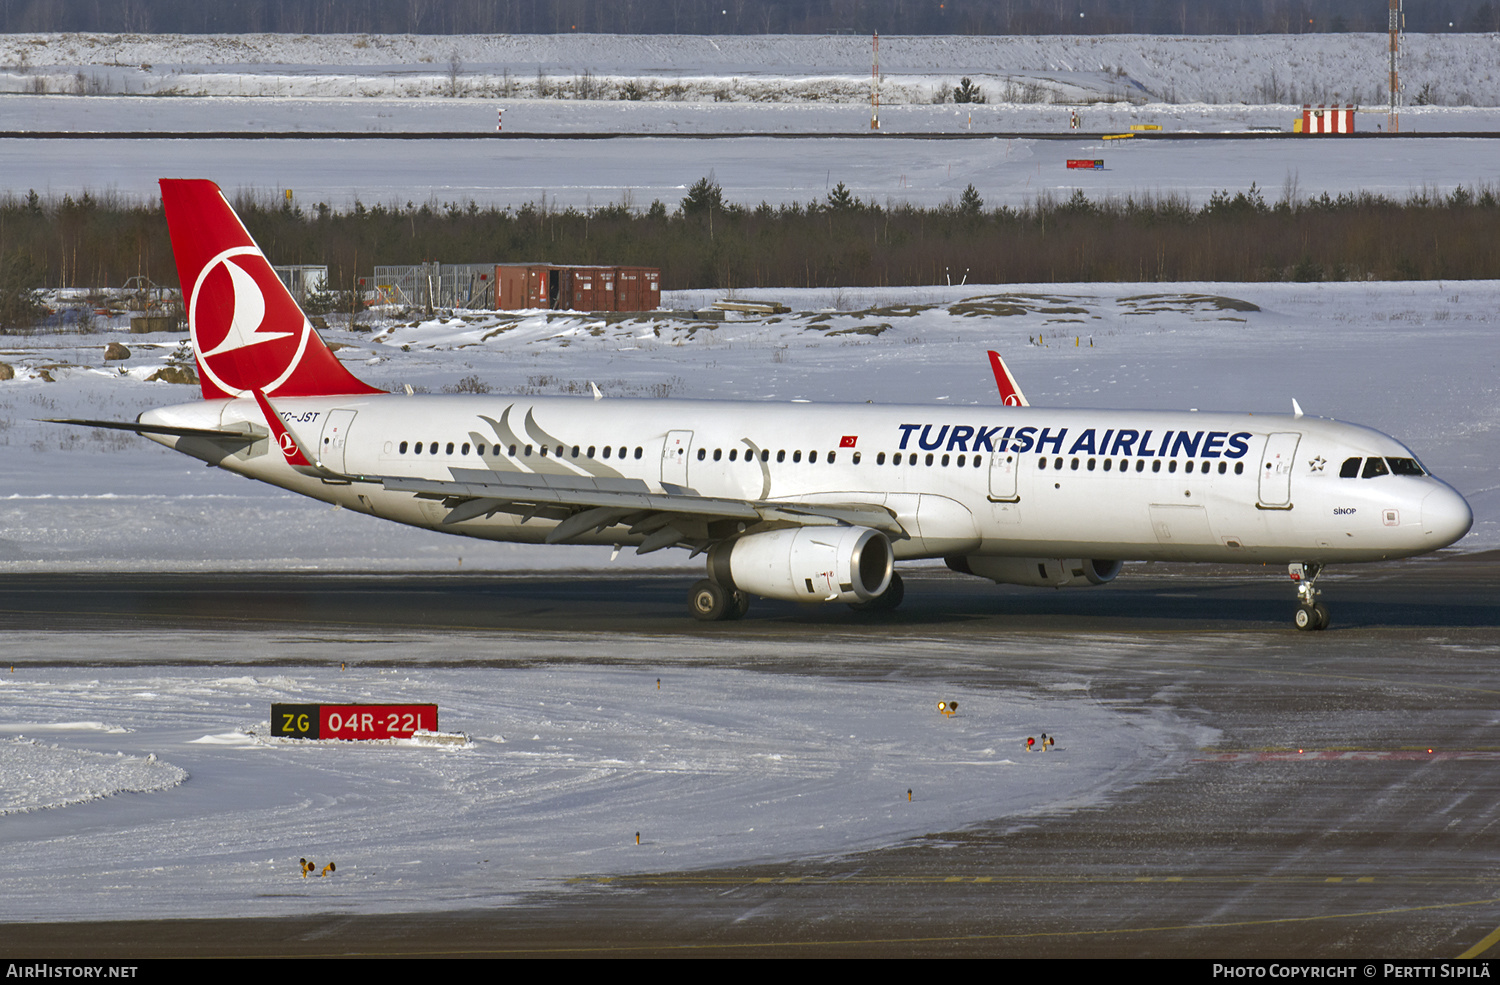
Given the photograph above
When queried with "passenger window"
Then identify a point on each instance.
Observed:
(797, 456)
(880, 458)
(1073, 465)
(781, 456)
(403, 448)
(912, 460)
(1374, 467)
(591, 451)
(638, 451)
(432, 448)
(418, 449)
(732, 453)
(830, 458)
(1239, 468)
(961, 462)
(1223, 467)
(1188, 467)
(1350, 469)
(856, 458)
(606, 451)
(575, 451)
(1172, 465)
(702, 454)
(718, 454)
(1091, 465)
(465, 449)
(542, 451)
(1140, 465)
(929, 458)
(945, 460)
(1042, 462)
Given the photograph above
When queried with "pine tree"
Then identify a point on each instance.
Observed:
(967, 92)
(970, 203)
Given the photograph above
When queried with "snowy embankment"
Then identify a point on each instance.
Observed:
(1242, 69)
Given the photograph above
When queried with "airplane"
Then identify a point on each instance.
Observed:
(804, 502)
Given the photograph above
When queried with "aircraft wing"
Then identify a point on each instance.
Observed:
(586, 504)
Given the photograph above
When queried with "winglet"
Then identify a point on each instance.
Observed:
(284, 438)
(1296, 408)
(1010, 390)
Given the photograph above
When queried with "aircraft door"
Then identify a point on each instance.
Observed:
(674, 457)
(1276, 470)
(335, 435)
(1003, 465)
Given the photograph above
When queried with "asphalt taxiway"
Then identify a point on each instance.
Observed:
(1348, 808)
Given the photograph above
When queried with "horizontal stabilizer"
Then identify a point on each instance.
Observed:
(213, 434)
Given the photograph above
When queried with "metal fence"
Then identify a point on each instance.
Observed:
(438, 285)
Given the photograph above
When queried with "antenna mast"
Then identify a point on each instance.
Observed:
(875, 85)
(1398, 28)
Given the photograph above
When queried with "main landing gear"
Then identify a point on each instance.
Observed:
(711, 602)
(1311, 614)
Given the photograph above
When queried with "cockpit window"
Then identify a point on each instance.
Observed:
(1405, 466)
(1374, 467)
(1350, 469)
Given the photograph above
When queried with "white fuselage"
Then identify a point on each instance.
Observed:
(967, 481)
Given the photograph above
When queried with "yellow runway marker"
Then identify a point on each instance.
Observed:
(1484, 945)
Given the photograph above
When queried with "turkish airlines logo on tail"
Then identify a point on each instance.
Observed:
(247, 331)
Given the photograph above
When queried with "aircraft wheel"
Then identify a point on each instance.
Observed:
(708, 601)
(1306, 618)
(1322, 611)
(739, 604)
(887, 600)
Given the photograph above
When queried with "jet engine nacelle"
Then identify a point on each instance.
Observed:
(806, 564)
(1038, 572)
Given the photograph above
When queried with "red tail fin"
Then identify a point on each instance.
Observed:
(248, 333)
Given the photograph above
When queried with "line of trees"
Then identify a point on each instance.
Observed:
(740, 16)
(837, 241)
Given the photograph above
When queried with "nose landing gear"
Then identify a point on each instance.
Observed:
(1311, 614)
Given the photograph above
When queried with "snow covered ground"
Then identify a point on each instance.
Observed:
(568, 761)
(755, 85)
(180, 804)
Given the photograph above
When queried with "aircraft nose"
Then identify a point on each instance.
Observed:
(1446, 517)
